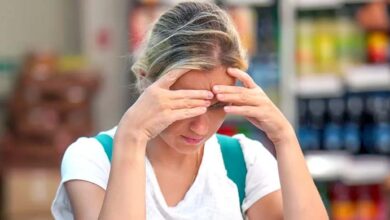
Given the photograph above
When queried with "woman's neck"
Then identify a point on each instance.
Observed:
(160, 154)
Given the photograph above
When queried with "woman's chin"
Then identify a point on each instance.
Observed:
(188, 147)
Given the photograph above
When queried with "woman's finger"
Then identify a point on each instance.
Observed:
(243, 77)
(219, 89)
(181, 114)
(191, 94)
(170, 78)
(246, 111)
(239, 98)
(189, 103)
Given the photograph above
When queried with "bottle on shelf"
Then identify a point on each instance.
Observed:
(352, 127)
(333, 130)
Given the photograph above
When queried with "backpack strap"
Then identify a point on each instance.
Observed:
(234, 161)
(106, 141)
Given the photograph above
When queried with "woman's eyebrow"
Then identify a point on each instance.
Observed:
(218, 103)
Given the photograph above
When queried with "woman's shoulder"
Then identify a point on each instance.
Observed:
(87, 146)
(262, 172)
(83, 147)
(85, 158)
(253, 149)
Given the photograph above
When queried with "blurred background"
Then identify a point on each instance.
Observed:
(64, 73)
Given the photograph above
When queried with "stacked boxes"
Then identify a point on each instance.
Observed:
(50, 107)
(47, 111)
(28, 193)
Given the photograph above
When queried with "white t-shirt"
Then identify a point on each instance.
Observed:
(212, 195)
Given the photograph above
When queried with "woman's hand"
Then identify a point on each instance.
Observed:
(251, 102)
(158, 107)
(300, 197)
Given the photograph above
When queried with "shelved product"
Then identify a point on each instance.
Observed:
(341, 95)
(360, 73)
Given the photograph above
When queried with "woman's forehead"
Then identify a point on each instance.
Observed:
(203, 79)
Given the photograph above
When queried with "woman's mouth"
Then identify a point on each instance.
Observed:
(190, 140)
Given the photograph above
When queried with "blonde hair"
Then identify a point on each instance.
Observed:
(194, 35)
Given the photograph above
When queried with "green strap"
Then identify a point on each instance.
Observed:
(106, 141)
(234, 161)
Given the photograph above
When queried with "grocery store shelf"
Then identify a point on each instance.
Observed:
(326, 165)
(350, 169)
(365, 78)
(317, 4)
(366, 169)
(314, 86)
(368, 78)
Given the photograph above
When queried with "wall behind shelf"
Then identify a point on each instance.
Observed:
(38, 23)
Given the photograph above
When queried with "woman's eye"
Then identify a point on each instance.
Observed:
(217, 105)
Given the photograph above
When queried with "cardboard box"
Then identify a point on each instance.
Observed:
(29, 192)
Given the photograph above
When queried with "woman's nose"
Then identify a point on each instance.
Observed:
(200, 124)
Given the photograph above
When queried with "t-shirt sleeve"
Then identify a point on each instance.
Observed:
(262, 176)
(85, 160)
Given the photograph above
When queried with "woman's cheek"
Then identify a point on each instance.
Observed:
(216, 117)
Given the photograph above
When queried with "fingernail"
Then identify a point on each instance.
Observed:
(220, 96)
(216, 88)
(210, 95)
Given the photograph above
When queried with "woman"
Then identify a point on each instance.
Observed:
(166, 162)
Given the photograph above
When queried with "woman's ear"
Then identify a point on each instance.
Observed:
(142, 74)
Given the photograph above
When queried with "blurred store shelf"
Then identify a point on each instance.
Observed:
(314, 4)
(312, 86)
(368, 78)
(350, 169)
(366, 169)
(365, 78)
(326, 165)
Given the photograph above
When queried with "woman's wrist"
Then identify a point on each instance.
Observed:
(289, 147)
(288, 144)
(128, 132)
(286, 137)
(129, 149)
(130, 138)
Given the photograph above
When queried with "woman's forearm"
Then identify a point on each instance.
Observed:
(125, 194)
(301, 199)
